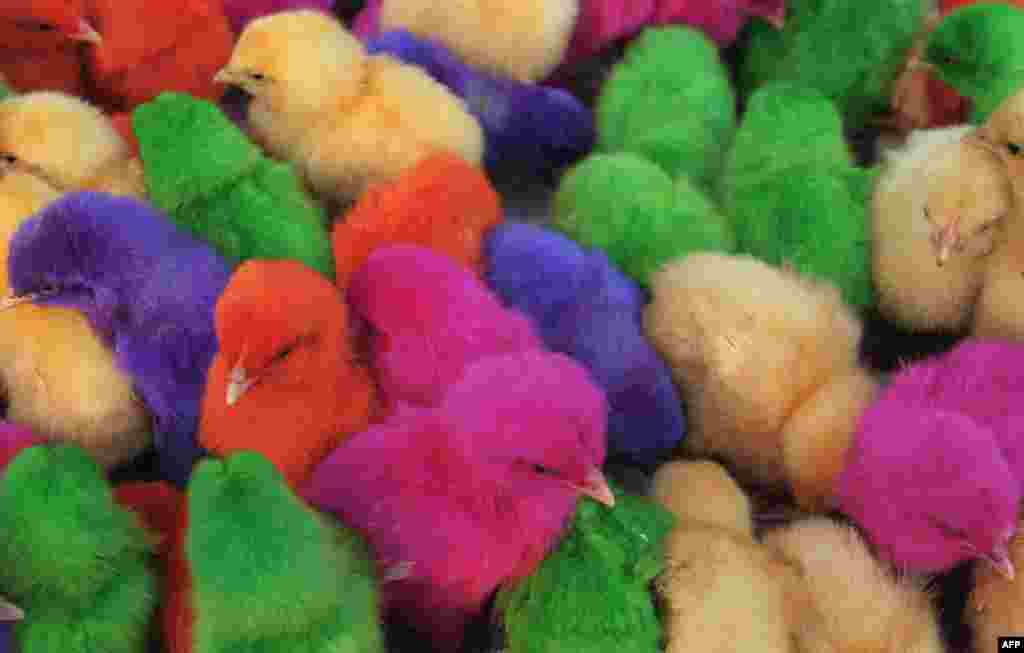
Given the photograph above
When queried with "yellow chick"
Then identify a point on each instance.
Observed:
(722, 590)
(68, 143)
(855, 604)
(767, 363)
(347, 119)
(525, 39)
(998, 311)
(995, 607)
(55, 374)
(938, 211)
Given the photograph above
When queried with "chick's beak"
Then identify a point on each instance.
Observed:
(596, 487)
(999, 558)
(238, 384)
(87, 34)
(10, 612)
(777, 19)
(225, 76)
(11, 301)
(947, 240)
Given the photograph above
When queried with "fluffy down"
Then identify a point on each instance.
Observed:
(996, 604)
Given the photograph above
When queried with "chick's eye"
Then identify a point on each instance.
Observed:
(257, 76)
(283, 354)
(1013, 148)
(545, 471)
(9, 159)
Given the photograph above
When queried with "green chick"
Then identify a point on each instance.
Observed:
(212, 180)
(269, 573)
(669, 99)
(850, 51)
(794, 194)
(593, 592)
(78, 564)
(977, 49)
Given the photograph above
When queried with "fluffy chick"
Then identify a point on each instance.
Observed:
(40, 44)
(725, 324)
(995, 607)
(68, 143)
(938, 210)
(998, 311)
(524, 40)
(715, 572)
(347, 118)
(855, 604)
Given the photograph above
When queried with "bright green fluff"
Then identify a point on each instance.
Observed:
(592, 593)
(794, 194)
(979, 50)
(671, 100)
(75, 561)
(632, 209)
(203, 171)
(270, 574)
(852, 51)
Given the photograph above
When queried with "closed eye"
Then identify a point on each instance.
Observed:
(546, 471)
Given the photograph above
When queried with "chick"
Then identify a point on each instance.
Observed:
(724, 592)
(68, 143)
(524, 40)
(346, 118)
(726, 324)
(938, 211)
(40, 44)
(995, 607)
(855, 604)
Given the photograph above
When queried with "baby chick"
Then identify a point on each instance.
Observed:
(998, 312)
(855, 604)
(68, 143)
(938, 211)
(726, 324)
(724, 592)
(347, 118)
(995, 607)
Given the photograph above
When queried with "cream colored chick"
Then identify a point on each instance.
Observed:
(938, 211)
(723, 591)
(55, 374)
(995, 607)
(68, 143)
(345, 118)
(855, 604)
(521, 39)
(999, 311)
(767, 363)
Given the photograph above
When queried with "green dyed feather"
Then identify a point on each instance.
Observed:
(75, 561)
(592, 593)
(978, 50)
(669, 99)
(212, 180)
(850, 51)
(270, 574)
(630, 208)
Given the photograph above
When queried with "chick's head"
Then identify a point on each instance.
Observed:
(38, 21)
(702, 491)
(1003, 135)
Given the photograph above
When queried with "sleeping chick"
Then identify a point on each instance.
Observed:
(995, 607)
(727, 325)
(524, 39)
(723, 591)
(68, 143)
(855, 604)
(346, 118)
(938, 211)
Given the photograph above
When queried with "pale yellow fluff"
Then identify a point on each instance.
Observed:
(346, 119)
(57, 376)
(855, 604)
(524, 39)
(996, 605)
(760, 354)
(999, 311)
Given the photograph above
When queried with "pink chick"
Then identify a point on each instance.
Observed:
(721, 20)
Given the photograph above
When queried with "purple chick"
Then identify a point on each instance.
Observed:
(9, 614)
(474, 492)
(584, 307)
(429, 318)
(240, 12)
(147, 287)
(526, 126)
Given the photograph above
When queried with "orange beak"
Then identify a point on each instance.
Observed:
(14, 300)
(596, 487)
(86, 34)
(947, 241)
(239, 383)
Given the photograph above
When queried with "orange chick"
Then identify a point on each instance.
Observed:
(995, 607)
(40, 44)
(285, 381)
(443, 203)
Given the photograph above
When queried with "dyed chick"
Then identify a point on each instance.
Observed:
(285, 380)
(995, 606)
(203, 172)
(442, 203)
(15, 438)
(56, 374)
(42, 44)
(592, 592)
(429, 318)
(854, 602)
(498, 473)
(582, 306)
(724, 324)
(344, 117)
(268, 572)
(716, 573)
(241, 12)
(82, 575)
(147, 288)
(940, 207)
(68, 143)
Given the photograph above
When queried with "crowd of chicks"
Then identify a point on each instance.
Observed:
(281, 374)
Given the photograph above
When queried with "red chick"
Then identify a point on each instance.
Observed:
(41, 44)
